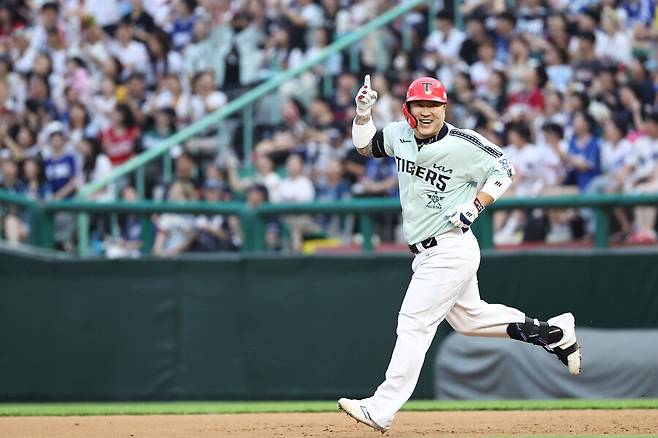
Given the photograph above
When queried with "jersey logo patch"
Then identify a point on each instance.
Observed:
(434, 200)
(503, 164)
(441, 168)
(402, 140)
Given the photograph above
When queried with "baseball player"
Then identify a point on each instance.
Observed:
(447, 176)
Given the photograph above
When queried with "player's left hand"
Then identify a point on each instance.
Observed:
(366, 98)
(464, 215)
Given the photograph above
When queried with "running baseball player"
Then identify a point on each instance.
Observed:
(447, 176)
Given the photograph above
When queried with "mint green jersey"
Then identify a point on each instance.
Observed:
(439, 176)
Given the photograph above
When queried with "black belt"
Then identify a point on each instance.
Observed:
(427, 243)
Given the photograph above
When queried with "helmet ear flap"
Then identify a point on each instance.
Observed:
(410, 119)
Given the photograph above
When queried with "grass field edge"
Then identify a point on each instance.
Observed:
(193, 408)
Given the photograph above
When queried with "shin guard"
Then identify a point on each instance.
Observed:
(535, 332)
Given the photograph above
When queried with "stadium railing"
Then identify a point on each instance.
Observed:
(253, 220)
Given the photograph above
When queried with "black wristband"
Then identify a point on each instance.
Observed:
(478, 205)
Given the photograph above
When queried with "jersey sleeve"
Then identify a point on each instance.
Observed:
(378, 148)
(381, 143)
(489, 160)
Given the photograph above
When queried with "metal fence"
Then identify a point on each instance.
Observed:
(253, 220)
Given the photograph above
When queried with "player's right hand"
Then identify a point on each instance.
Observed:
(366, 98)
(464, 215)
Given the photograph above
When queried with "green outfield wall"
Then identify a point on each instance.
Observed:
(258, 327)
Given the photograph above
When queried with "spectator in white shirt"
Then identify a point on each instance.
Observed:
(485, 66)
(614, 43)
(206, 98)
(443, 44)
(105, 12)
(616, 164)
(162, 60)
(295, 188)
(170, 94)
(616, 159)
(132, 54)
(49, 15)
(175, 231)
(526, 160)
(645, 217)
(265, 175)
(94, 165)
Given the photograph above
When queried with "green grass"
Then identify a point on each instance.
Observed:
(154, 408)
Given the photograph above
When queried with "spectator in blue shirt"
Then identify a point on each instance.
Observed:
(332, 186)
(9, 180)
(181, 28)
(639, 11)
(380, 179)
(33, 174)
(60, 167)
(583, 154)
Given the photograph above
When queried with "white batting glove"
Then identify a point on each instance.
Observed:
(366, 98)
(464, 215)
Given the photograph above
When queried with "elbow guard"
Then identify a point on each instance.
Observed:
(495, 187)
(363, 134)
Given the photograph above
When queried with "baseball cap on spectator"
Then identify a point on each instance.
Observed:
(54, 127)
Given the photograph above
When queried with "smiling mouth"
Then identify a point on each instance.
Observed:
(425, 122)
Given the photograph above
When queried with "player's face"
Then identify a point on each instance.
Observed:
(429, 115)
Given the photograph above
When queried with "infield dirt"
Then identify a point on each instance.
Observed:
(337, 425)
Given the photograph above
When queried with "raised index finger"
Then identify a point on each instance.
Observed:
(366, 81)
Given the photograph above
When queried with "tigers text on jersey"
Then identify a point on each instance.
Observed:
(438, 176)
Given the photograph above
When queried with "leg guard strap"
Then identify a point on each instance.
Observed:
(534, 332)
(563, 353)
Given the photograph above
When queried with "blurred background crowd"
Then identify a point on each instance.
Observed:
(568, 88)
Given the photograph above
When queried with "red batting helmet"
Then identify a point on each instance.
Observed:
(423, 89)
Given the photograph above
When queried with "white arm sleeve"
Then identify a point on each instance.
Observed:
(363, 134)
(496, 186)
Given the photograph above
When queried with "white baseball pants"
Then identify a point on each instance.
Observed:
(443, 286)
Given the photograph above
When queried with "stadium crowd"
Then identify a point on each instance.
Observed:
(568, 88)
